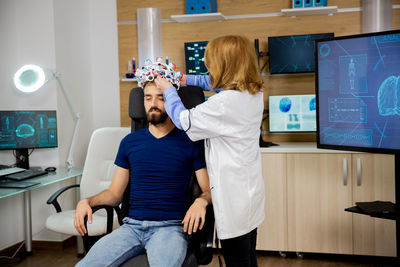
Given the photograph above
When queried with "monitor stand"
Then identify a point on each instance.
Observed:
(22, 156)
(266, 144)
(394, 206)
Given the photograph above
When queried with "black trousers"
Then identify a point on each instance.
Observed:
(240, 251)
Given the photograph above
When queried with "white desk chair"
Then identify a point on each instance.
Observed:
(97, 175)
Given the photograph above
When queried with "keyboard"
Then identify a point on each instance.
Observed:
(6, 170)
(19, 184)
(26, 174)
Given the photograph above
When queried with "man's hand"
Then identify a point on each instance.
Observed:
(194, 216)
(82, 209)
(162, 83)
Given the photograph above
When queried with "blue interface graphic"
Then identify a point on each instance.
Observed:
(28, 129)
(194, 58)
(293, 54)
(359, 91)
(292, 113)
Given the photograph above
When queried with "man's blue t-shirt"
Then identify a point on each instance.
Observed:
(160, 172)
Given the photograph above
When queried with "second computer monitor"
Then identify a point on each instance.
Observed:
(194, 57)
(293, 54)
(292, 113)
(23, 129)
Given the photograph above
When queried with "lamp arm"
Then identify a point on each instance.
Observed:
(76, 113)
(71, 148)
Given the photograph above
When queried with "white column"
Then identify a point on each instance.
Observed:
(149, 34)
(377, 15)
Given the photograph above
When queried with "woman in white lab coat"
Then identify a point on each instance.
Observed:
(230, 124)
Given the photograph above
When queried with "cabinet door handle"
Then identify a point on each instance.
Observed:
(344, 171)
(358, 172)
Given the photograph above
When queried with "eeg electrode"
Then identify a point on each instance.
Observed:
(151, 70)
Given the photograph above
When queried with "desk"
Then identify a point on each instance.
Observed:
(61, 174)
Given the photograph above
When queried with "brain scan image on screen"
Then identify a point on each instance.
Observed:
(389, 97)
(285, 104)
(313, 104)
(359, 90)
(292, 113)
(24, 131)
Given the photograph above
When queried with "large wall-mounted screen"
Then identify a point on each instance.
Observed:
(358, 92)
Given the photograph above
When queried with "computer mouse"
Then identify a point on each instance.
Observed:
(50, 169)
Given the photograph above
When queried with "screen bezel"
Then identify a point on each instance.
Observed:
(297, 72)
(286, 132)
(339, 147)
(34, 147)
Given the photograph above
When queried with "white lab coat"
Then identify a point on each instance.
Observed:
(230, 124)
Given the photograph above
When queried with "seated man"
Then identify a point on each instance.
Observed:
(159, 161)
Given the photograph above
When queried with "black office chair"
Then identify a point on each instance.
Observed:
(200, 243)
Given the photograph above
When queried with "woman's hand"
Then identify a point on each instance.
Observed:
(183, 81)
(162, 83)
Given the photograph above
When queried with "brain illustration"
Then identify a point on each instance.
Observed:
(25, 130)
(285, 104)
(389, 96)
(313, 104)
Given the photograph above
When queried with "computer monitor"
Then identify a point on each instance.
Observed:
(358, 92)
(194, 58)
(292, 113)
(293, 53)
(24, 129)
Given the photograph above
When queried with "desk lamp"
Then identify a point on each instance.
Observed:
(31, 78)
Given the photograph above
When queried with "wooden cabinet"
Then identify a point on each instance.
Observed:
(319, 189)
(373, 179)
(306, 194)
(272, 233)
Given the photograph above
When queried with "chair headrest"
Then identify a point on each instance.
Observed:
(136, 104)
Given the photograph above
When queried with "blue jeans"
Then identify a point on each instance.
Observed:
(165, 243)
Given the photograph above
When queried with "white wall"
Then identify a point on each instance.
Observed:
(78, 38)
(104, 52)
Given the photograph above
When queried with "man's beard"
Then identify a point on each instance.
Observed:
(155, 118)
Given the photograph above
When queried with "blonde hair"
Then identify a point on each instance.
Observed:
(232, 64)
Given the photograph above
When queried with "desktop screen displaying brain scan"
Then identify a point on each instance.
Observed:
(28, 129)
(194, 57)
(293, 54)
(292, 113)
(358, 91)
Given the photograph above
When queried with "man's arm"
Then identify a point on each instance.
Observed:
(196, 214)
(110, 196)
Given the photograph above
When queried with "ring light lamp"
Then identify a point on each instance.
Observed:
(29, 78)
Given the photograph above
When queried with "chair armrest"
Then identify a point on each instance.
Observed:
(119, 214)
(88, 241)
(202, 241)
(53, 198)
(110, 215)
